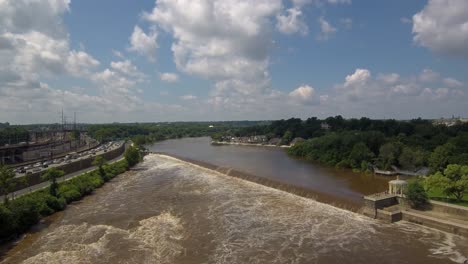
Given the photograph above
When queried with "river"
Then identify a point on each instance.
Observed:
(170, 211)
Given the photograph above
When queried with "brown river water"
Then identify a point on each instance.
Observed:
(171, 211)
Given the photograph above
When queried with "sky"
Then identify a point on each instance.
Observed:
(209, 60)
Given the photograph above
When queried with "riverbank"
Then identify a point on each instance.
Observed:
(20, 214)
(248, 144)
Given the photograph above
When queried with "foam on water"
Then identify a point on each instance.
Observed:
(155, 240)
(283, 224)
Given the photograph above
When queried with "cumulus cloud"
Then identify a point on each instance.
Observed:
(442, 27)
(169, 77)
(35, 46)
(304, 94)
(391, 94)
(451, 82)
(225, 41)
(126, 67)
(291, 22)
(428, 75)
(390, 78)
(326, 29)
(144, 44)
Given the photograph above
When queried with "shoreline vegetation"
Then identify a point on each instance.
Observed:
(19, 215)
(420, 148)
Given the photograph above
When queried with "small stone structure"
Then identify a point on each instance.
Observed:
(392, 206)
(397, 187)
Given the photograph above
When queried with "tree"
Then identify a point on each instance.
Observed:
(52, 175)
(99, 161)
(359, 154)
(139, 140)
(411, 159)
(132, 155)
(416, 194)
(388, 154)
(453, 181)
(440, 158)
(287, 138)
(7, 181)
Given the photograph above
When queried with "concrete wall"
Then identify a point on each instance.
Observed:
(389, 217)
(436, 223)
(449, 208)
(36, 178)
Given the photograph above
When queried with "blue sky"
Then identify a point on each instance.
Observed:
(232, 60)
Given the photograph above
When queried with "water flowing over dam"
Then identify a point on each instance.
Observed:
(169, 211)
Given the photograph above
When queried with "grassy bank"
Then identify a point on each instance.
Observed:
(20, 214)
(438, 195)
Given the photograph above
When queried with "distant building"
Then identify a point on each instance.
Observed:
(325, 126)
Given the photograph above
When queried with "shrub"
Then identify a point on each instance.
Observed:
(7, 222)
(416, 194)
(25, 212)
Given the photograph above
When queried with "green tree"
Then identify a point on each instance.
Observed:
(139, 140)
(453, 181)
(416, 194)
(287, 138)
(440, 158)
(132, 155)
(100, 161)
(7, 181)
(359, 154)
(411, 159)
(52, 175)
(388, 154)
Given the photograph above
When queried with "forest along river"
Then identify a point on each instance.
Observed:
(170, 211)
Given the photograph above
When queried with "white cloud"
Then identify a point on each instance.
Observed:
(451, 82)
(118, 54)
(42, 16)
(406, 20)
(144, 44)
(390, 78)
(319, 2)
(442, 26)
(304, 94)
(291, 22)
(428, 75)
(326, 29)
(226, 41)
(126, 67)
(80, 63)
(359, 77)
(169, 77)
(188, 97)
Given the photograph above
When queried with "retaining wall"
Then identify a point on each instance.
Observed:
(444, 225)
